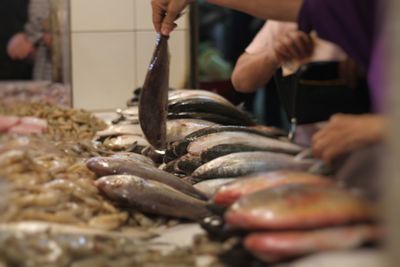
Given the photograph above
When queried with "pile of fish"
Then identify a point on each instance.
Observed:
(42, 183)
(28, 91)
(38, 244)
(287, 214)
(135, 184)
(44, 180)
(159, 189)
(63, 124)
(269, 187)
(231, 151)
(24, 125)
(188, 111)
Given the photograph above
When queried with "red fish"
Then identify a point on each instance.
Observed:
(229, 193)
(291, 207)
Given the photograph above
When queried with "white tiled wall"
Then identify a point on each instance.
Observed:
(112, 43)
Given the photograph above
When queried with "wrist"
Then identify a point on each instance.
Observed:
(377, 126)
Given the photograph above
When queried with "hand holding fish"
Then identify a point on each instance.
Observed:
(165, 12)
(346, 133)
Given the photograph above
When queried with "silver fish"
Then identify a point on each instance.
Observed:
(242, 138)
(103, 166)
(179, 148)
(238, 164)
(151, 196)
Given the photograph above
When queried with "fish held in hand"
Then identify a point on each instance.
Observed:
(153, 103)
(151, 196)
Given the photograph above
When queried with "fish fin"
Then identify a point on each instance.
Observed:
(241, 106)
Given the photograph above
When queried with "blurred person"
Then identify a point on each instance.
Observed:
(279, 44)
(13, 16)
(35, 41)
(354, 25)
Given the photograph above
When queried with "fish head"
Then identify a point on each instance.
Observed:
(115, 187)
(102, 166)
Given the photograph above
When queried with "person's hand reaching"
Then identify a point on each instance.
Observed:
(346, 133)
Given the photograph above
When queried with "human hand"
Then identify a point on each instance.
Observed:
(165, 12)
(346, 133)
(19, 47)
(294, 45)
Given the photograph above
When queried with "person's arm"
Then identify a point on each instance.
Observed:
(272, 46)
(253, 71)
(165, 12)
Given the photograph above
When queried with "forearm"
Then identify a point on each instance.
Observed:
(284, 10)
(254, 71)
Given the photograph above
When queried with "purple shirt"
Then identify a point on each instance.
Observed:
(353, 25)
